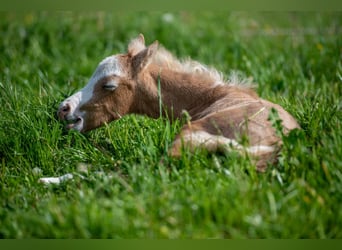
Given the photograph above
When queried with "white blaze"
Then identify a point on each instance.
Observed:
(109, 66)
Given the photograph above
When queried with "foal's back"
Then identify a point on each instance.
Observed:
(238, 120)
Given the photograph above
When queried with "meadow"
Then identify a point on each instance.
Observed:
(125, 186)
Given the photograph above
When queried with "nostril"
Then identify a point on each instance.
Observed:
(66, 108)
(63, 111)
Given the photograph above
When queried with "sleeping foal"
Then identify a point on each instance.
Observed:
(221, 112)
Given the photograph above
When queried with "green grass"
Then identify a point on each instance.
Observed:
(296, 60)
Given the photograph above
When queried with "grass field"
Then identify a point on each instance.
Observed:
(296, 60)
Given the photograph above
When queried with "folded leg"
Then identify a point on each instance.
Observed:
(191, 139)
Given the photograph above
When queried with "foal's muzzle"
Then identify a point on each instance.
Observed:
(64, 113)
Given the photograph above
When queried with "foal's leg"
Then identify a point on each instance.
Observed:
(200, 139)
(192, 139)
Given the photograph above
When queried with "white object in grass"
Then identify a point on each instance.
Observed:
(56, 180)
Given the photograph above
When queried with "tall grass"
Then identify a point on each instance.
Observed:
(131, 188)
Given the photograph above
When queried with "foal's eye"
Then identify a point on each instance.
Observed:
(111, 85)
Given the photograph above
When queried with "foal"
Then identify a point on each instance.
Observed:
(222, 112)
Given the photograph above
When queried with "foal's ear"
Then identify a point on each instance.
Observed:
(143, 58)
(136, 45)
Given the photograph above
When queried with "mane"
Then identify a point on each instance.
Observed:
(166, 59)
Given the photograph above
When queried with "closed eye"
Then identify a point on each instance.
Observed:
(110, 85)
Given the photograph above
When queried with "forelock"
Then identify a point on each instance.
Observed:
(108, 66)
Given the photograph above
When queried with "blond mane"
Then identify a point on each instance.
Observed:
(165, 58)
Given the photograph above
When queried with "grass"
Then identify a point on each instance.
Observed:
(295, 58)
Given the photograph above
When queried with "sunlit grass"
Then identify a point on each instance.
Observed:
(131, 188)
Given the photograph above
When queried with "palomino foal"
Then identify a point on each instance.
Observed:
(223, 113)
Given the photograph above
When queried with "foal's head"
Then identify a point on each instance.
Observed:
(110, 91)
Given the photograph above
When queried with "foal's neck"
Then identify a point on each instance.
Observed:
(189, 92)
